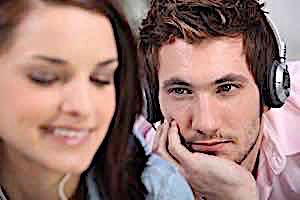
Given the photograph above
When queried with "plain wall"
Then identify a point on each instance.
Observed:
(286, 16)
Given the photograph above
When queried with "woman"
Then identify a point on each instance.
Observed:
(66, 94)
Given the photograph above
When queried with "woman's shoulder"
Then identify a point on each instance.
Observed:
(163, 181)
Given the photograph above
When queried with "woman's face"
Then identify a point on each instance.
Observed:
(57, 94)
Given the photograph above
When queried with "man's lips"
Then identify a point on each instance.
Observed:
(208, 146)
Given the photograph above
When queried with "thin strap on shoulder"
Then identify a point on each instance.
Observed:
(2, 196)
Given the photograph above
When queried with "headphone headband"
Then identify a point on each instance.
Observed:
(280, 43)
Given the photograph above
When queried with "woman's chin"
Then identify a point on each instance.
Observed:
(73, 166)
(71, 169)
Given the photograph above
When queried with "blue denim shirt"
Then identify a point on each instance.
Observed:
(164, 182)
(161, 179)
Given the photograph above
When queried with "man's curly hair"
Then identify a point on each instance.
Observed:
(198, 20)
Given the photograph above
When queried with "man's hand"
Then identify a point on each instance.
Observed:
(209, 176)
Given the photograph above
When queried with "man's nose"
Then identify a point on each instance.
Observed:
(76, 100)
(205, 116)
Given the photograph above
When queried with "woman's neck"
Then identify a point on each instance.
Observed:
(25, 179)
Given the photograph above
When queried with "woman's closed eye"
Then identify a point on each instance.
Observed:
(100, 82)
(43, 78)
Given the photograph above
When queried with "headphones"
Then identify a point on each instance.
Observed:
(276, 87)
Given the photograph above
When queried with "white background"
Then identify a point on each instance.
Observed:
(286, 15)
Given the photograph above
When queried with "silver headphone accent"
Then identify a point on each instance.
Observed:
(278, 78)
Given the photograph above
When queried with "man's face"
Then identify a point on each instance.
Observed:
(209, 91)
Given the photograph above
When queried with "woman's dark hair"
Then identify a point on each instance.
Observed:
(120, 160)
(124, 156)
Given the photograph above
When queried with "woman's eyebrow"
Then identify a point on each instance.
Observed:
(107, 62)
(60, 61)
(52, 60)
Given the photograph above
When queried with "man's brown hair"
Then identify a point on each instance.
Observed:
(197, 20)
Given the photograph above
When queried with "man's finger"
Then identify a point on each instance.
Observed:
(163, 136)
(161, 141)
(157, 138)
(160, 145)
(175, 147)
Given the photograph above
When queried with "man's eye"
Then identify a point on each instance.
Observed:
(179, 91)
(226, 88)
(100, 82)
(43, 78)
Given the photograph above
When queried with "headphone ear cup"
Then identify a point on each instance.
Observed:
(270, 95)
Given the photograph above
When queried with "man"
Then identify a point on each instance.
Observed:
(212, 72)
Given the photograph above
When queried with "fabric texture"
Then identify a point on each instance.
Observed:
(279, 163)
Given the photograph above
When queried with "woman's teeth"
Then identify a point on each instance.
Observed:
(69, 132)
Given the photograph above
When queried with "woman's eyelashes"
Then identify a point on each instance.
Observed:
(44, 78)
(101, 81)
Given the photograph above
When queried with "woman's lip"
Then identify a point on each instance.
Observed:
(65, 139)
(82, 136)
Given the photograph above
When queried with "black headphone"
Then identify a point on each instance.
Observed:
(276, 87)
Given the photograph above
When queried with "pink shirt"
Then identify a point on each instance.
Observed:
(279, 162)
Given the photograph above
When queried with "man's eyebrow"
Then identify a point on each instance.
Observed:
(175, 81)
(231, 78)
